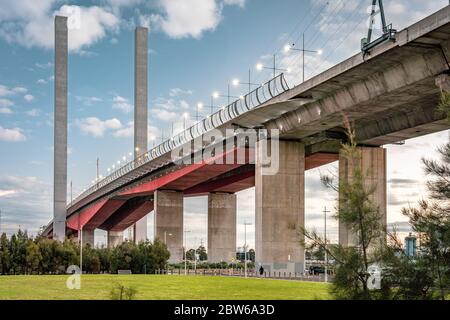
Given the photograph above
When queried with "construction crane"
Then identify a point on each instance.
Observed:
(388, 32)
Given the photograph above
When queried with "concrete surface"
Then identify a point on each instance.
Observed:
(280, 210)
(60, 129)
(221, 227)
(169, 221)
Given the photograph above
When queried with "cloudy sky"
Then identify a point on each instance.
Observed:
(196, 47)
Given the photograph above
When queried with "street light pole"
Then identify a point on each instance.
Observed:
(303, 50)
(184, 249)
(245, 248)
(325, 239)
(98, 171)
(81, 250)
(303, 56)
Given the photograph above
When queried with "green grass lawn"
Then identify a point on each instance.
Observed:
(161, 287)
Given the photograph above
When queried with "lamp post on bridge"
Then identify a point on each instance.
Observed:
(261, 67)
(199, 107)
(236, 82)
(185, 116)
(290, 47)
(216, 95)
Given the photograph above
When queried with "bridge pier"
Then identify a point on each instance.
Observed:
(60, 129)
(115, 238)
(372, 162)
(169, 221)
(221, 227)
(280, 209)
(88, 237)
(140, 111)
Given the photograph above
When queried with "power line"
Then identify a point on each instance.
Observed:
(349, 17)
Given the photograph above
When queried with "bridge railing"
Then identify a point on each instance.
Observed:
(251, 100)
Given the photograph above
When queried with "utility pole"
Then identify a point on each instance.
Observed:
(274, 65)
(81, 250)
(184, 249)
(98, 171)
(303, 57)
(325, 211)
(245, 248)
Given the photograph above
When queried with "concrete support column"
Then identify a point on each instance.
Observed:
(114, 238)
(280, 207)
(169, 222)
(221, 227)
(60, 129)
(372, 162)
(140, 111)
(88, 237)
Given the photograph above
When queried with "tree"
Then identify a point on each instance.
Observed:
(251, 255)
(91, 260)
(201, 251)
(363, 218)
(104, 255)
(33, 257)
(160, 254)
(121, 257)
(49, 250)
(5, 258)
(190, 254)
(427, 276)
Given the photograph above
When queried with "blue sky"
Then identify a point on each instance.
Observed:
(196, 47)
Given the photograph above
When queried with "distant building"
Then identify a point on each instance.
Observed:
(410, 245)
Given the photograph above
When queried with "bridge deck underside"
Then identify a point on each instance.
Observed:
(122, 210)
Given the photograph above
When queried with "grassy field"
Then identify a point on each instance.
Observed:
(160, 287)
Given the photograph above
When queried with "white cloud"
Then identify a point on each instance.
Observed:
(28, 97)
(41, 81)
(125, 132)
(5, 193)
(30, 23)
(240, 3)
(175, 92)
(122, 104)
(33, 112)
(6, 91)
(128, 131)
(11, 135)
(122, 3)
(5, 110)
(19, 90)
(165, 115)
(189, 18)
(44, 65)
(88, 101)
(6, 103)
(30, 214)
(96, 127)
(182, 19)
